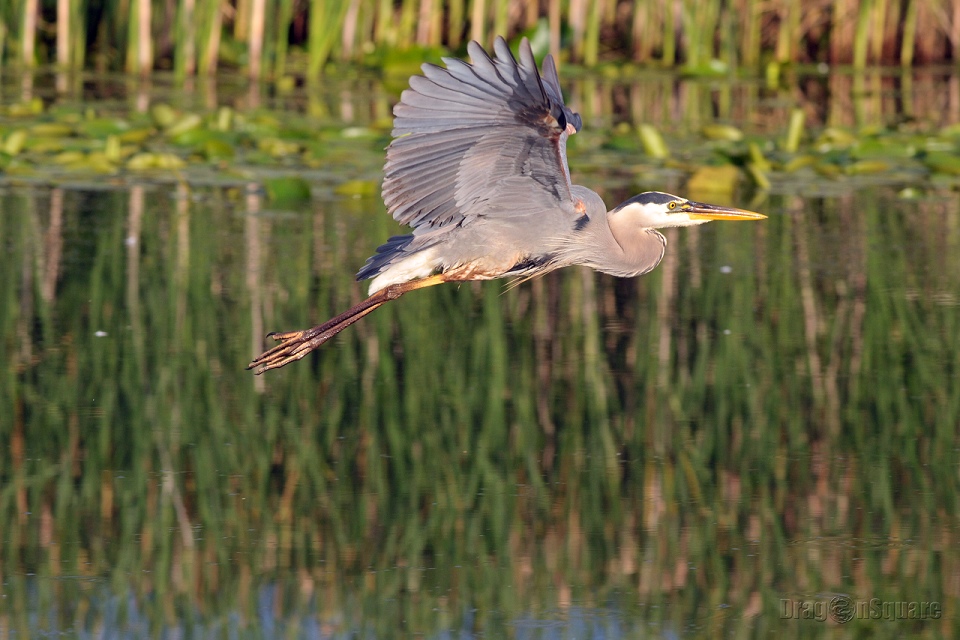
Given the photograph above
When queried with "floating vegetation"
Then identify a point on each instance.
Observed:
(287, 190)
(171, 144)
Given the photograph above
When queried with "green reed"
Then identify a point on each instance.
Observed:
(134, 34)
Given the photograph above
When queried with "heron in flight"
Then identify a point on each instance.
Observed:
(478, 168)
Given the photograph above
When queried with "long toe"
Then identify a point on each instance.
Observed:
(285, 335)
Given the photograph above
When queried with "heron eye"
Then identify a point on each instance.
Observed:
(672, 205)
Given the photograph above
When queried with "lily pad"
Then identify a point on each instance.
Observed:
(287, 190)
(278, 148)
(945, 163)
(102, 127)
(30, 107)
(757, 158)
(713, 180)
(759, 176)
(653, 143)
(862, 167)
(51, 130)
(799, 162)
(216, 149)
(14, 142)
(362, 188)
(185, 123)
(163, 115)
(136, 136)
(835, 138)
(722, 132)
(147, 161)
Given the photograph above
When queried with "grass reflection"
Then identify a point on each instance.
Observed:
(771, 414)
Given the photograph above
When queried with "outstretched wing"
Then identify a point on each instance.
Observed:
(480, 139)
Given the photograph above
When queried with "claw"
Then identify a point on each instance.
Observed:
(294, 345)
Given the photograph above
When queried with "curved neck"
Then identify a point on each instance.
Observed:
(609, 243)
(613, 242)
(641, 248)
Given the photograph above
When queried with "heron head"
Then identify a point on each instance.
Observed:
(658, 210)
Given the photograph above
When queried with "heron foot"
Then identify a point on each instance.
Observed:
(293, 346)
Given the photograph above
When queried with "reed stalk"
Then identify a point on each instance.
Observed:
(841, 31)
(408, 23)
(326, 20)
(591, 45)
(691, 31)
(553, 23)
(284, 17)
(784, 50)
(669, 56)
(132, 38)
(576, 17)
(455, 11)
(727, 26)
(367, 20)
(861, 39)
(144, 36)
(241, 20)
(385, 34)
(701, 27)
(909, 42)
(258, 10)
(640, 44)
(351, 22)
(28, 32)
(185, 52)
(881, 9)
(501, 16)
(209, 35)
(426, 26)
(750, 50)
(478, 16)
(63, 32)
(78, 39)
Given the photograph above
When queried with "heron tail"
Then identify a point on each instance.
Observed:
(386, 254)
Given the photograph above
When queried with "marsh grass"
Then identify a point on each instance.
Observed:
(141, 35)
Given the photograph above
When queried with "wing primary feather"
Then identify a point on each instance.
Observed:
(479, 139)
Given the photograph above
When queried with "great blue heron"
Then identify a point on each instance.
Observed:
(478, 168)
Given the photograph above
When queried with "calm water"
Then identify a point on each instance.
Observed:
(767, 422)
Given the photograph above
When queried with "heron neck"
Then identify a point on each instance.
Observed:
(633, 250)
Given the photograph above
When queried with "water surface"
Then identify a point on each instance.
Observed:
(765, 423)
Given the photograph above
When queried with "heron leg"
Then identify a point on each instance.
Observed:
(294, 345)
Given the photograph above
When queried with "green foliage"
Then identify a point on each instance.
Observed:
(283, 37)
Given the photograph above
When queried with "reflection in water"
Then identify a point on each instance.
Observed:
(604, 454)
(770, 415)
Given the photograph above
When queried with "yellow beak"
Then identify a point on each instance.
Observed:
(703, 211)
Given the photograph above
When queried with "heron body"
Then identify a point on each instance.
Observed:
(478, 168)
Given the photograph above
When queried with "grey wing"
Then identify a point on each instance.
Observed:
(480, 139)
